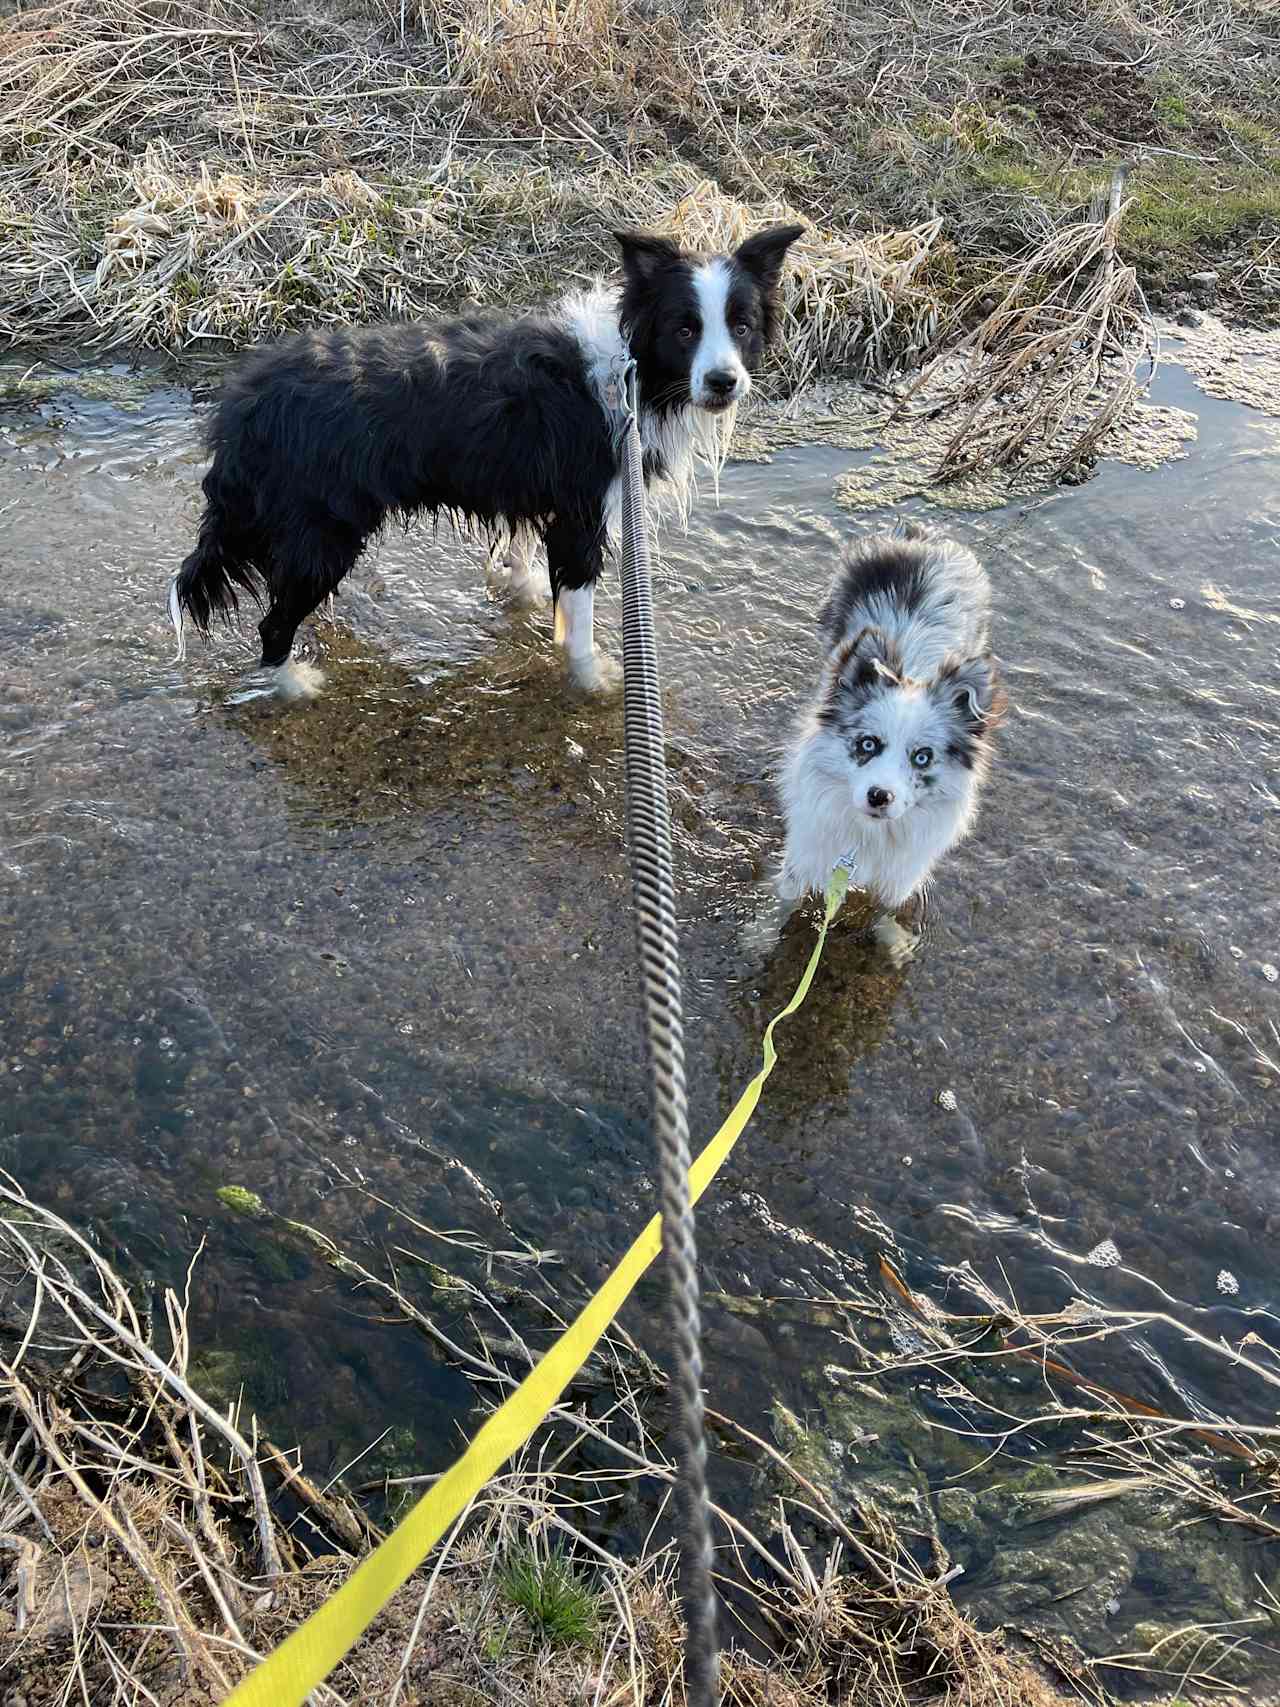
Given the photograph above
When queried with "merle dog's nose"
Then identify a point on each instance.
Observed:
(878, 798)
(720, 382)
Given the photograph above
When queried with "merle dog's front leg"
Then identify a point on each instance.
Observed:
(574, 559)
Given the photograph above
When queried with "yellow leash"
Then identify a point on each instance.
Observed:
(304, 1659)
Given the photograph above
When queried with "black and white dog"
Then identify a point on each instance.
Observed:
(505, 424)
(889, 759)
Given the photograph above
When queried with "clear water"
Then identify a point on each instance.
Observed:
(388, 936)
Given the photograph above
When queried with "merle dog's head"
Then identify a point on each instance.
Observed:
(698, 325)
(910, 743)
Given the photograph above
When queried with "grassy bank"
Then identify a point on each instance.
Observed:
(191, 176)
(154, 1543)
(155, 1540)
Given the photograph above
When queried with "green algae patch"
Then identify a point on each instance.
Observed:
(24, 383)
(242, 1201)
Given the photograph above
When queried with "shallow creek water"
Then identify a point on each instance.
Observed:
(387, 936)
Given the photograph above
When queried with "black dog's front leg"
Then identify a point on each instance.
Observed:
(575, 558)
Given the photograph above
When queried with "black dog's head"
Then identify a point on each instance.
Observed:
(698, 325)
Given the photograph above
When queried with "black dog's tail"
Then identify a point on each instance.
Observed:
(223, 560)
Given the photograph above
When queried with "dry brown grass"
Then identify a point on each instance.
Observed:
(154, 1545)
(148, 1562)
(191, 177)
(212, 260)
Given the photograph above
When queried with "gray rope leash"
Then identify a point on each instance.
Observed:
(653, 890)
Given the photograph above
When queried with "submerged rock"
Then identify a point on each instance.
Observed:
(1176, 1649)
(1068, 1587)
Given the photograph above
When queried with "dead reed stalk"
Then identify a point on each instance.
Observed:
(1055, 361)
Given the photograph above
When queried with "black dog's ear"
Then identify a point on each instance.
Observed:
(865, 660)
(645, 255)
(973, 687)
(762, 255)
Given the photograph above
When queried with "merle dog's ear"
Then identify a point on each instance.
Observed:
(762, 255)
(645, 255)
(865, 660)
(974, 690)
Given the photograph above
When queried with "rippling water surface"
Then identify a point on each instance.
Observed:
(385, 939)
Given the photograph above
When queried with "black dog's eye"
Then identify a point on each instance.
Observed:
(742, 330)
(685, 333)
(868, 746)
(922, 758)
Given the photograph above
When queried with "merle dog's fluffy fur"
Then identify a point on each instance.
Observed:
(889, 758)
(501, 422)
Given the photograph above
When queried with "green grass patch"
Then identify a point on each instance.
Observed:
(983, 131)
(1172, 105)
(1184, 215)
(974, 127)
(560, 1605)
(1250, 131)
(1182, 208)
(1060, 187)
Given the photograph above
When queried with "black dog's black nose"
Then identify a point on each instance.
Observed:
(720, 382)
(878, 798)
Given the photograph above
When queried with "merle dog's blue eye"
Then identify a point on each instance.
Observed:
(868, 745)
(922, 758)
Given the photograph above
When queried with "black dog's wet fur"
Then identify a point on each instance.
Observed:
(317, 440)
